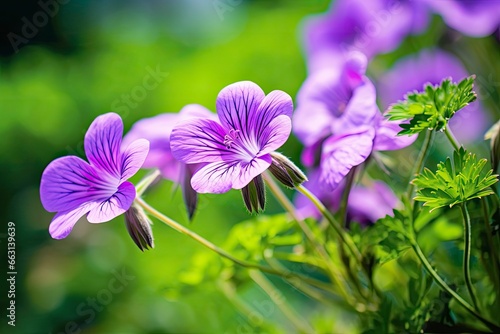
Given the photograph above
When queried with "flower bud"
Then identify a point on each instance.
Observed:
(285, 171)
(189, 195)
(254, 195)
(494, 135)
(139, 227)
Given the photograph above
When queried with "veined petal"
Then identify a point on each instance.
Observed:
(275, 134)
(198, 140)
(341, 153)
(69, 182)
(251, 169)
(237, 107)
(102, 143)
(64, 221)
(114, 205)
(387, 138)
(275, 104)
(134, 157)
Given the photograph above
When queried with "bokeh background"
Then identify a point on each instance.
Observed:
(92, 57)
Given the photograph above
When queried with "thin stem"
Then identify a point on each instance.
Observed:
(181, 229)
(454, 142)
(449, 290)
(424, 151)
(493, 252)
(143, 185)
(467, 252)
(333, 272)
(345, 197)
(333, 223)
(279, 300)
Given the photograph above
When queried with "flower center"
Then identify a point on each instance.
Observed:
(231, 137)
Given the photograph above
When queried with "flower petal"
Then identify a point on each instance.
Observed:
(275, 104)
(64, 221)
(198, 140)
(387, 138)
(237, 106)
(102, 143)
(113, 206)
(275, 134)
(133, 157)
(67, 183)
(341, 153)
(251, 169)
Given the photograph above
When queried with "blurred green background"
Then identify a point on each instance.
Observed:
(91, 58)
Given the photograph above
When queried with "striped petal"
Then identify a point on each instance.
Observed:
(114, 206)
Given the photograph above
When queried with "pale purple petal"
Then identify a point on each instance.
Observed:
(387, 139)
(277, 103)
(251, 169)
(133, 157)
(341, 153)
(312, 122)
(275, 134)
(367, 205)
(198, 140)
(64, 221)
(103, 141)
(195, 111)
(69, 182)
(114, 206)
(237, 107)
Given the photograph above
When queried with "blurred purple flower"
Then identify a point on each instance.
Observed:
(236, 148)
(338, 120)
(371, 27)
(157, 130)
(432, 66)
(73, 187)
(365, 204)
(475, 18)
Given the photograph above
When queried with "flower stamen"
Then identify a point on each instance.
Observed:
(231, 137)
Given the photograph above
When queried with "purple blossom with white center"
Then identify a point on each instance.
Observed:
(237, 147)
(477, 18)
(338, 121)
(365, 205)
(371, 27)
(432, 66)
(73, 187)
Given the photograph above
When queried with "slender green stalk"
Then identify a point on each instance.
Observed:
(181, 229)
(344, 237)
(454, 142)
(333, 272)
(143, 185)
(467, 253)
(280, 301)
(345, 196)
(446, 287)
(424, 151)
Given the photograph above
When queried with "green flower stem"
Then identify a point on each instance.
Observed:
(446, 287)
(345, 196)
(181, 229)
(493, 250)
(424, 151)
(454, 142)
(467, 251)
(333, 272)
(280, 301)
(344, 237)
(143, 185)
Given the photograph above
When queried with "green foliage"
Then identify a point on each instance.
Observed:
(432, 108)
(455, 182)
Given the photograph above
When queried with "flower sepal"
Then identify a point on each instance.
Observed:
(254, 195)
(286, 171)
(139, 227)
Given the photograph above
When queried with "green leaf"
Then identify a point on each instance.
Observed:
(455, 182)
(433, 107)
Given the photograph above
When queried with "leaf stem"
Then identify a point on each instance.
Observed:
(453, 140)
(424, 151)
(467, 253)
(143, 185)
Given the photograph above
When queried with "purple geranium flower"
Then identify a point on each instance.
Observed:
(338, 120)
(432, 66)
(157, 131)
(371, 27)
(99, 188)
(236, 149)
(475, 18)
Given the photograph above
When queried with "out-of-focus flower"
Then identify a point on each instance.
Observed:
(338, 120)
(371, 27)
(99, 188)
(236, 149)
(432, 66)
(475, 18)
(365, 205)
(157, 130)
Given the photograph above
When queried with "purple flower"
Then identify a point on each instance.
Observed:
(432, 66)
(338, 120)
(236, 149)
(475, 18)
(157, 130)
(365, 205)
(99, 188)
(371, 27)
